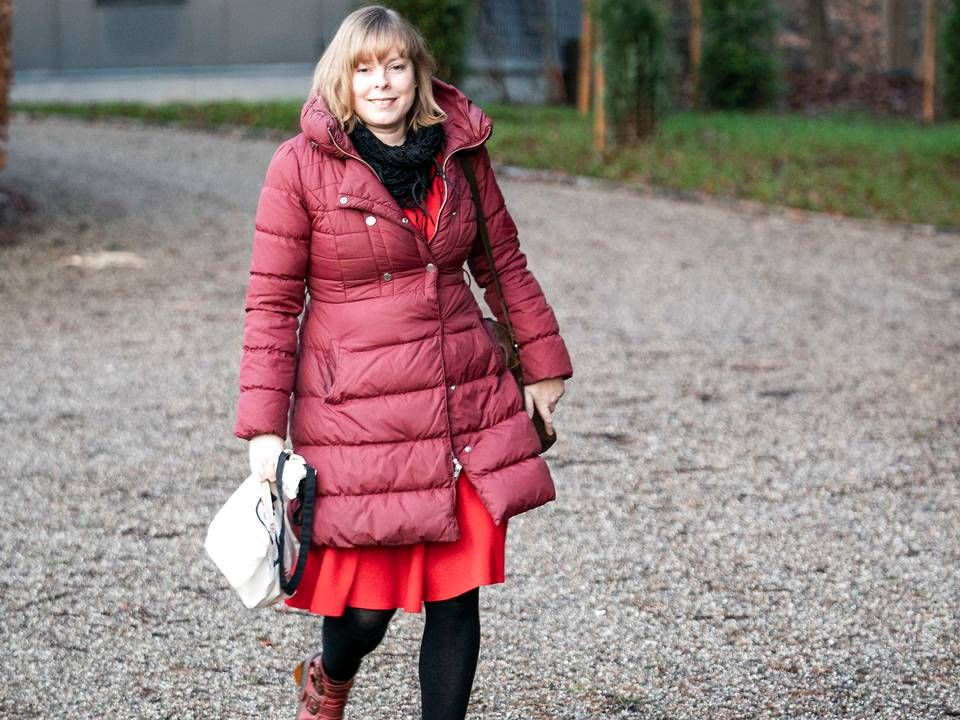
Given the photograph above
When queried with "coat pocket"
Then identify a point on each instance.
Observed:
(328, 366)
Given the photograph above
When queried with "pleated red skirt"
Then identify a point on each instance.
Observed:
(403, 576)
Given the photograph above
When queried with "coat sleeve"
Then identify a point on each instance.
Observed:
(543, 353)
(275, 297)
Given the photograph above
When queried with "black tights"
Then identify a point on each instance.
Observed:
(448, 652)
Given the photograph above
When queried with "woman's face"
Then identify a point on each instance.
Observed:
(383, 93)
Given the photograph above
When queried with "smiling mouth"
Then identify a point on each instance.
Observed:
(385, 101)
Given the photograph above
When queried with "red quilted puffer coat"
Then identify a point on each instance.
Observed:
(396, 383)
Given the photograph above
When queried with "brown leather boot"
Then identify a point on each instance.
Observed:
(321, 697)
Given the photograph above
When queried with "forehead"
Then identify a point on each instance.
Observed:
(378, 61)
(379, 43)
(390, 53)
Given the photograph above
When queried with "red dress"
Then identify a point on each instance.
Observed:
(403, 576)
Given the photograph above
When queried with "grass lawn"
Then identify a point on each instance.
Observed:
(847, 164)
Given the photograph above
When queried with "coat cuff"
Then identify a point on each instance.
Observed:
(544, 358)
(261, 410)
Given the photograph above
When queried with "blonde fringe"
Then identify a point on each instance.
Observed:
(365, 34)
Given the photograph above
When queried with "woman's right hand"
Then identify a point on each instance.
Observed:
(264, 452)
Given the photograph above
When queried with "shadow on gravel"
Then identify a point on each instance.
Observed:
(16, 215)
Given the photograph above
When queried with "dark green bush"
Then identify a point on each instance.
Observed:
(634, 66)
(739, 69)
(951, 60)
(443, 24)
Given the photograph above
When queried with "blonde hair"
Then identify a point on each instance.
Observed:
(367, 33)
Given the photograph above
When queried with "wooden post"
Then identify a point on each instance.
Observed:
(599, 112)
(696, 48)
(586, 59)
(930, 62)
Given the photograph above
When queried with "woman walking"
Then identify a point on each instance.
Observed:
(422, 440)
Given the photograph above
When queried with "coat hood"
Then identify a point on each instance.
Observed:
(466, 123)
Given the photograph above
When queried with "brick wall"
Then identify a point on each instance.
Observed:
(871, 68)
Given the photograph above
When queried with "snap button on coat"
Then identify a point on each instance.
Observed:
(360, 368)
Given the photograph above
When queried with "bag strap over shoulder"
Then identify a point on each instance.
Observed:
(485, 239)
(306, 514)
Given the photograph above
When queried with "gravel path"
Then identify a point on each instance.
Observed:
(758, 501)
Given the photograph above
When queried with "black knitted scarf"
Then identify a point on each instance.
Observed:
(403, 169)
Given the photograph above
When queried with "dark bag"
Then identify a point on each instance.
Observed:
(502, 332)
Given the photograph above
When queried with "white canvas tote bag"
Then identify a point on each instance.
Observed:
(250, 541)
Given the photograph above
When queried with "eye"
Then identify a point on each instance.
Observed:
(399, 67)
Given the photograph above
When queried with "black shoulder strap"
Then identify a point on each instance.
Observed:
(306, 515)
(485, 239)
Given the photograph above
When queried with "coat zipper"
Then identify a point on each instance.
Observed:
(357, 157)
(457, 467)
(443, 170)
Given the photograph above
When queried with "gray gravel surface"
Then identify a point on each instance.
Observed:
(758, 501)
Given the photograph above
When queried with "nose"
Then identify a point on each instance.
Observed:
(380, 78)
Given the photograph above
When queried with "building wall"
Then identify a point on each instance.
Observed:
(506, 55)
(87, 34)
(34, 38)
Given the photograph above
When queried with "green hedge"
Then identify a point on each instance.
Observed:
(739, 69)
(634, 66)
(951, 57)
(443, 24)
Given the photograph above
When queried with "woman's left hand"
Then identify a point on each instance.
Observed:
(542, 396)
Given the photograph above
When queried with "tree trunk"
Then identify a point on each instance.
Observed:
(696, 48)
(599, 112)
(821, 42)
(586, 56)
